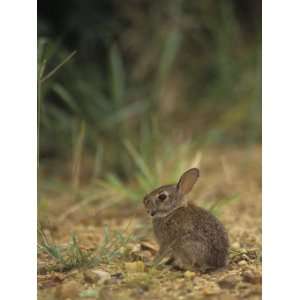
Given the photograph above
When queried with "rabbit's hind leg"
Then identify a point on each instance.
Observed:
(192, 255)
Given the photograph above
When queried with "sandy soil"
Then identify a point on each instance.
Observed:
(228, 172)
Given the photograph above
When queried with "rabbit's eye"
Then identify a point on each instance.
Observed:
(162, 197)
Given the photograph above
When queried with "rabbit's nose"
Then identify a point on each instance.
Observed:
(153, 213)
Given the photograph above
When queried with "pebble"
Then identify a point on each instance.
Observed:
(136, 248)
(103, 275)
(96, 276)
(245, 257)
(189, 274)
(242, 263)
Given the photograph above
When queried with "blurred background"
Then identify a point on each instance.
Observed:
(130, 93)
(146, 75)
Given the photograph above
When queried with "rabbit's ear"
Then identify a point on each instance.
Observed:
(187, 180)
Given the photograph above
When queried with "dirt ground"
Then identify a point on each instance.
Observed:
(228, 172)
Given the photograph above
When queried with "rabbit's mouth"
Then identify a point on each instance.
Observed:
(152, 213)
(164, 213)
(156, 213)
(159, 214)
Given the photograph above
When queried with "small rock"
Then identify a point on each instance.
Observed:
(245, 257)
(242, 263)
(96, 276)
(137, 266)
(189, 274)
(251, 277)
(103, 275)
(68, 290)
(228, 282)
(136, 248)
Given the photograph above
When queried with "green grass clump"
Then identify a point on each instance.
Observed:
(164, 165)
(114, 246)
(65, 258)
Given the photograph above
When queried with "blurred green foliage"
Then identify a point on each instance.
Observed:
(149, 72)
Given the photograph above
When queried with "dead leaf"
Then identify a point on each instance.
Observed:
(150, 247)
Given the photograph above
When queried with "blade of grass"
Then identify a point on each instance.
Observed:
(40, 75)
(117, 76)
(77, 157)
(52, 72)
(138, 160)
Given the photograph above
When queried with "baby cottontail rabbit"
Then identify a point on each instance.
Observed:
(190, 235)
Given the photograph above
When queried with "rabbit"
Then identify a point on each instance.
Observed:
(190, 235)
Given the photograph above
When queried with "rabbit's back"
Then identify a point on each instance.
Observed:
(194, 224)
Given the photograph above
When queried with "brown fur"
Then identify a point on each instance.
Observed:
(187, 233)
